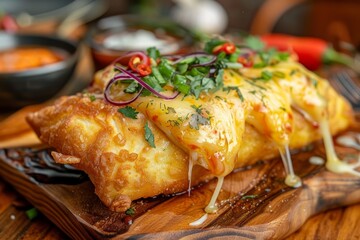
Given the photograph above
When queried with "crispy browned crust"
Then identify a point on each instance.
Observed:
(112, 149)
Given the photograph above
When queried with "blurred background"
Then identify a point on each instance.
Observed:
(333, 20)
(105, 29)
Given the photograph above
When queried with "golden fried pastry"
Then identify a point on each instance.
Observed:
(167, 144)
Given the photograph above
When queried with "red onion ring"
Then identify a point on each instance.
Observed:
(107, 92)
(125, 75)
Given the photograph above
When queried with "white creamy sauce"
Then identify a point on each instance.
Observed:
(333, 163)
(139, 40)
(211, 207)
(200, 221)
(349, 141)
(192, 158)
(315, 160)
(291, 179)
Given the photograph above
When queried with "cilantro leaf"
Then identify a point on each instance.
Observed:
(128, 112)
(254, 43)
(197, 118)
(237, 89)
(153, 53)
(180, 83)
(132, 88)
(149, 136)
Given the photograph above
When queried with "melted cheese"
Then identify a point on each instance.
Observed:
(210, 129)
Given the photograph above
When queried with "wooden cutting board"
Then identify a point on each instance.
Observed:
(254, 202)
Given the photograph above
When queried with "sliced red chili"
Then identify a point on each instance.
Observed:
(246, 61)
(227, 48)
(143, 69)
(140, 64)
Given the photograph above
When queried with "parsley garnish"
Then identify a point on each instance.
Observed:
(130, 211)
(266, 75)
(254, 43)
(248, 197)
(128, 112)
(149, 136)
(197, 118)
(235, 88)
(92, 98)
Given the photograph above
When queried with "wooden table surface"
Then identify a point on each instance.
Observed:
(341, 223)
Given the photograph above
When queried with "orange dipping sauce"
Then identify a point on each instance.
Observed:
(23, 58)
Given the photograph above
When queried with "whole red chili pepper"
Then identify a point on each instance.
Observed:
(8, 23)
(311, 52)
(227, 48)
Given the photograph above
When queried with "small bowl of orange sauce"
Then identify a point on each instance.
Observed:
(34, 68)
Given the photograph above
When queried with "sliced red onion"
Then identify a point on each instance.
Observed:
(119, 103)
(125, 75)
(145, 85)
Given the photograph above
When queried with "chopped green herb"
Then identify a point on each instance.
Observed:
(132, 88)
(266, 75)
(254, 84)
(32, 213)
(130, 211)
(197, 118)
(180, 82)
(200, 73)
(314, 82)
(128, 112)
(166, 70)
(279, 74)
(283, 56)
(293, 72)
(235, 88)
(149, 136)
(249, 197)
(170, 110)
(153, 53)
(254, 43)
(156, 73)
(92, 98)
(260, 65)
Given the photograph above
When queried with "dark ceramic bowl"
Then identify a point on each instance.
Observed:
(111, 37)
(26, 87)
